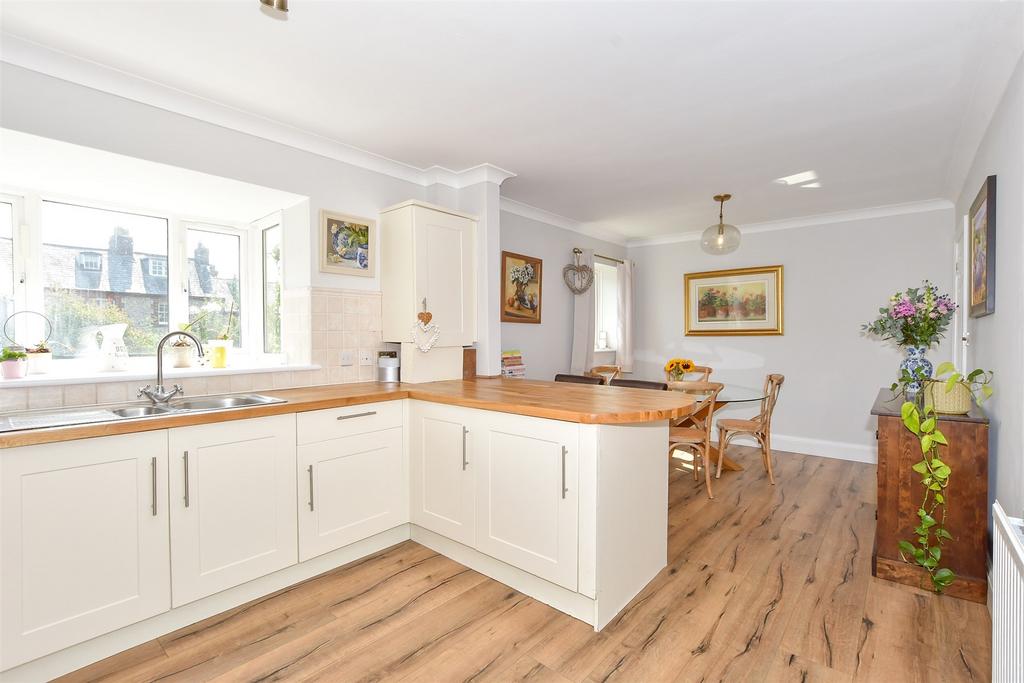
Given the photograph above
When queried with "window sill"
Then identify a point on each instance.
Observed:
(143, 370)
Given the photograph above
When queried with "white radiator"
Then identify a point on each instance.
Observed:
(1007, 597)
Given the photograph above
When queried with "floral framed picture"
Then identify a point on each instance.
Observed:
(347, 244)
(520, 288)
(981, 220)
(742, 301)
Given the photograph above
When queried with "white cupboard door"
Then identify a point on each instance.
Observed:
(350, 489)
(527, 495)
(233, 500)
(440, 443)
(84, 537)
(445, 274)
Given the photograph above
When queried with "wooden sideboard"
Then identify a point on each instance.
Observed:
(900, 494)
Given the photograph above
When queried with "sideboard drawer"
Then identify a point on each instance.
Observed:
(333, 423)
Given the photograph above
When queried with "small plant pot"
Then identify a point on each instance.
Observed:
(182, 355)
(956, 401)
(218, 349)
(14, 369)
(39, 363)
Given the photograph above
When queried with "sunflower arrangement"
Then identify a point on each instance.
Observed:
(675, 368)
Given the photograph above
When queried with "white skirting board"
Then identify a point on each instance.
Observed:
(839, 450)
(75, 657)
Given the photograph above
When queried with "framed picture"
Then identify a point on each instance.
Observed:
(347, 244)
(520, 288)
(982, 222)
(734, 302)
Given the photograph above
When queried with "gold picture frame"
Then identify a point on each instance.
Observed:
(522, 280)
(736, 302)
(339, 255)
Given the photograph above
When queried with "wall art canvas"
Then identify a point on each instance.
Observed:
(982, 222)
(742, 301)
(347, 244)
(520, 288)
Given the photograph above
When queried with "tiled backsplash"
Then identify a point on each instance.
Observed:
(339, 320)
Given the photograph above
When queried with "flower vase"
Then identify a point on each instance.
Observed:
(913, 362)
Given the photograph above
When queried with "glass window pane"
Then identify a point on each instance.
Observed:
(214, 291)
(272, 290)
(98, 271)
(6, 261)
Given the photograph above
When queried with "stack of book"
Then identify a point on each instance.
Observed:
(512, 363)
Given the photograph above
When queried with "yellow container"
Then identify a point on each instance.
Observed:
(956, 401)
(218, 350)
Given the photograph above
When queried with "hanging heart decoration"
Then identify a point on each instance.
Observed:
(425, 334)
(578, 277)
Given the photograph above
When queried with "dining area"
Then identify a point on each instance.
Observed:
(701, 439)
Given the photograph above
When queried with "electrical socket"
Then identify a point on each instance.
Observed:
(365, 357)
(347, 357)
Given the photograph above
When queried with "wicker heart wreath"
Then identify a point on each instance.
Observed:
(578, 277)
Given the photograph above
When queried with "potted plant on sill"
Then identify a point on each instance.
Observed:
(39, 358)
(181, 347)
(219, 347)
(13, 363)
(915, 319)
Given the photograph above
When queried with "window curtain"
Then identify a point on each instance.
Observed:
(624, 348)
(583, 324)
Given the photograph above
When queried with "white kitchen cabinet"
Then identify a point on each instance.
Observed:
(442, 485)
(233, 504)
(428, 255)
(351, 488)
(527, 494)
(85, 541)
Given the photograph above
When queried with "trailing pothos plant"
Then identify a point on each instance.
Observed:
(921, 419)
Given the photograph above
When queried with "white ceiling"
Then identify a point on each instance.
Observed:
(626, 116)
(71, 172)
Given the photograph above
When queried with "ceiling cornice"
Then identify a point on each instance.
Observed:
(35, 57)
(559, 221)
(807, 221)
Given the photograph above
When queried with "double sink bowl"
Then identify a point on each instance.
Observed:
(42, 419)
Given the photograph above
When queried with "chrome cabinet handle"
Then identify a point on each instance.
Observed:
(152, 467)
(349, 417)
(186, 478)
(310, 470)
(564, 488)
(465, 459)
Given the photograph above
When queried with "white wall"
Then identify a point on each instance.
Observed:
(836, 278)
(998, 339)
(547, 347)
(54, 108)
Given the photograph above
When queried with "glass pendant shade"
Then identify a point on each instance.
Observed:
(720, 238)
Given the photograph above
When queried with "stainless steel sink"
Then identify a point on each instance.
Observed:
(42, 419)
(223, 402)
(141, 411)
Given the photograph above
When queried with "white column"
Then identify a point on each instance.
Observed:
(483, 199)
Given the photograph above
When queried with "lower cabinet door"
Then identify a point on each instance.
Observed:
(84, 536)
(350, 488)
(233, 500)
(441, 463)
(527, 495)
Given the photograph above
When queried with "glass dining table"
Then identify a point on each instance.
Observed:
(731, 394)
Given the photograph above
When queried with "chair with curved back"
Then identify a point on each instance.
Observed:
(639, 384)
(605, 372)
(578, 379)
(702, 370)
(759, 427)
(696, 436)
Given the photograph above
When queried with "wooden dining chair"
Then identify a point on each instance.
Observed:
(639, 384)
(702, 370)
(759, 427)
(605, 372)
(579, 379)
(695, 437)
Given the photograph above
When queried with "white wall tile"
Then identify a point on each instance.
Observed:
(13, 399)
(79, 394)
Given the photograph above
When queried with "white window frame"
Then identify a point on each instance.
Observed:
(156, 261)
(29, 279)
(257, 228)
(599, 295)
(85, 265)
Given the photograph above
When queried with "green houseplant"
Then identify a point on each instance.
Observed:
(13, 363)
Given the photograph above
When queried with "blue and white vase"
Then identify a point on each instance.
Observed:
(915, 360)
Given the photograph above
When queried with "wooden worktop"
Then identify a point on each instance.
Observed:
(586, 404)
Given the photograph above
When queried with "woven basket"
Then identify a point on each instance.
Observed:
(956, 401)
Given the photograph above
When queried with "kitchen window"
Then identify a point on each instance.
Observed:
(606, 307)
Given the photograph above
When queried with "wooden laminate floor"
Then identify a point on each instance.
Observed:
(763, 584)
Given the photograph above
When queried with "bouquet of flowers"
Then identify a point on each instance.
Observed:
(677, 367)
(916, 317)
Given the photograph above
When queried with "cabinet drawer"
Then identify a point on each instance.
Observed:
(333, 423)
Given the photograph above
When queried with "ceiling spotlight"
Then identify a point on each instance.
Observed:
(278, 9)
(802, 179)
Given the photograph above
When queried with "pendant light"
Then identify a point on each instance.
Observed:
(720, 238)
(278, 9)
